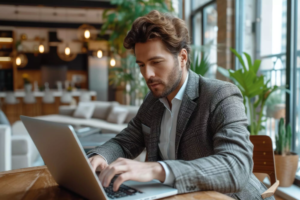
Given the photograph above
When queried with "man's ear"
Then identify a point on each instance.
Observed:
(183, 57)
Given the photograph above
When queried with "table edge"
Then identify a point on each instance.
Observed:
(24, 170)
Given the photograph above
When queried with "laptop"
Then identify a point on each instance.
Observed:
(71, 169)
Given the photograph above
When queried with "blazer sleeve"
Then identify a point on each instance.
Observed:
(129, 143)
(229, 168)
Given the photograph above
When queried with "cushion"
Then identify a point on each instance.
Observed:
(3, 119)
(105, 126)
(102, 109)
(117, 115)
(67, 110)
(84, 110)
(132, 111)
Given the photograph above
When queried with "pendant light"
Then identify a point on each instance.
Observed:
(87, 34)
(67, 50)
(112, 62)
(18, 61)
(21, 60)
(41, 48)
(99, 53)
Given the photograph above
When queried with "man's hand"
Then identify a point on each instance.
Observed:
(98, 163)
(131, 170)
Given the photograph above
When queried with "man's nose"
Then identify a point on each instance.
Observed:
(149, 72)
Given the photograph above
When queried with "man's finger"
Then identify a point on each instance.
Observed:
(121, 179)
(94, 165)
(105, 171)
(111, 171)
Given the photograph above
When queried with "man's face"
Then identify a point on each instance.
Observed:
(159, 68)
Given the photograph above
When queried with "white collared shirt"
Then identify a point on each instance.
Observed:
(168, 131)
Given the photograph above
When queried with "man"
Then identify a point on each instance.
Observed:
(193, 128)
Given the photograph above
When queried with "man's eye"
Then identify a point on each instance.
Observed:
(156, 62)
(141, 65)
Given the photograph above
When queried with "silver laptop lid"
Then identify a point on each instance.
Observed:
(64, 157)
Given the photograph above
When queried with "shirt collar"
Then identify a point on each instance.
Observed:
(179, 94)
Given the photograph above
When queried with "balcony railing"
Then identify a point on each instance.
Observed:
(277, 75)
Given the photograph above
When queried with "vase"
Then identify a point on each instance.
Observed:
(286, 167)
(28, 87)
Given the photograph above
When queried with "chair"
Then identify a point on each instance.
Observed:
(30, 106)
(29, 98)
(85, 97)
(66, 98)
(10, 98)
(263, 158)
(12, 107)
(17, 149)
(48, 105)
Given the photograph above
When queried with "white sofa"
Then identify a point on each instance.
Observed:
(16, 147)
(98, 119)
(5, 148)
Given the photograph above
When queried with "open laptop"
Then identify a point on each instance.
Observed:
(71, 169)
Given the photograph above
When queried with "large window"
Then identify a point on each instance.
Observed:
(272, 52)
(297, 87)
(205, 31)
(278, 37)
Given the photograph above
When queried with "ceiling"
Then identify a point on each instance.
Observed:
(62, 3)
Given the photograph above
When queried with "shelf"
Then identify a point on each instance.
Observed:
(6, 40)
(5, 59)
(33, 40)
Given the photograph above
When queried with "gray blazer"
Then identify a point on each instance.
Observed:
(212, 147)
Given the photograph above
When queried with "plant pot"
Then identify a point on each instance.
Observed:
(286, 167)
(28, 87)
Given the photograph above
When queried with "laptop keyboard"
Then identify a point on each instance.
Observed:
(123, 191)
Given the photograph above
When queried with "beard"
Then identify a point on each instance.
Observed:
(173, 81)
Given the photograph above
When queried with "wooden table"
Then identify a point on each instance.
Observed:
(37, 183)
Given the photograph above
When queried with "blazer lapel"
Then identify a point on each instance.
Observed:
(187, 106)
(158, 110)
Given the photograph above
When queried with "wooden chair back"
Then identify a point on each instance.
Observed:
(263, 156)
(264, 162)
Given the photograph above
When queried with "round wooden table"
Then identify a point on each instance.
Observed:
(37, 183)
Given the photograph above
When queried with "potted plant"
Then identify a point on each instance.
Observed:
(254, 88)
(286, 161)
(27, 82)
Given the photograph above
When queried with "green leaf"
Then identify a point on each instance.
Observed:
(239, 57)
(256, 66)
(248, 60)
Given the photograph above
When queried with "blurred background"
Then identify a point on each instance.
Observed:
(60, 53)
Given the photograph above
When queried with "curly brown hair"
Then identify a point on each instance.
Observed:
(171, 30)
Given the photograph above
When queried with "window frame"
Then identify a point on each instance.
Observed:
(291, 63)
(194, 13)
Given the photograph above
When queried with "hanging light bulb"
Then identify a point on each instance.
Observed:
(99, 54)
(112, 62)
(67, 50)
(41, 48)
(87, 34)
(18, 61)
